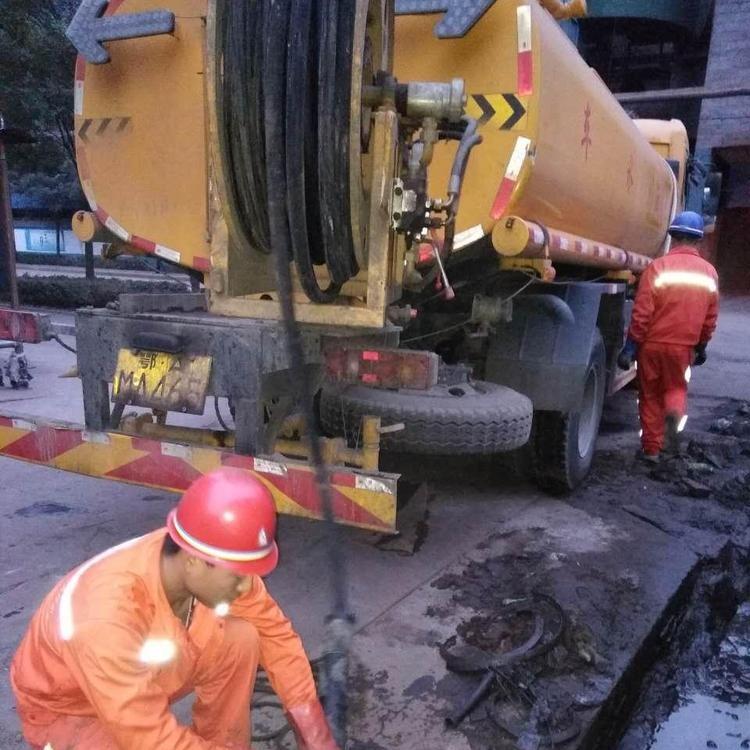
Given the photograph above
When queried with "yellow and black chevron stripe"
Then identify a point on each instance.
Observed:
(502, 111)
(100, 126)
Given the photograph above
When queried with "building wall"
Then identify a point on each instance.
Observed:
(733, 256)
(724, 139)
(726, 122)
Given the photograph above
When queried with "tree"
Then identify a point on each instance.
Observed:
(36, 94)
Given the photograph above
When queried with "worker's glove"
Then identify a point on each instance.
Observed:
(627, 355)
(311, 727)
(700, 355)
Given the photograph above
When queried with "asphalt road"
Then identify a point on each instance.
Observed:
(51, 521)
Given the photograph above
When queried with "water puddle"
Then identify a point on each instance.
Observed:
(713, 709)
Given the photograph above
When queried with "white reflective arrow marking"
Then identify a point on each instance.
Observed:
(89, 28)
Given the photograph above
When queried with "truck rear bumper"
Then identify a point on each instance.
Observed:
(362, 499)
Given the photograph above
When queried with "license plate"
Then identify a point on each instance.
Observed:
(170, 382)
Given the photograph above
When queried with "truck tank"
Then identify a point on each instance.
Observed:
(557, 147)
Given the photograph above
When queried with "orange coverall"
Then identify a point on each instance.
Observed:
(104, 656)
(675, 309)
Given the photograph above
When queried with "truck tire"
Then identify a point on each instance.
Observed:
(470, 418)
(562, 444)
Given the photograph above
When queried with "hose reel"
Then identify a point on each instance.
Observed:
(336, 70)
(321, 161)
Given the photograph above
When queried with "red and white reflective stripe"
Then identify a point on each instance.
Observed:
(88, 191)
(525, 84)
(686, 278)
(146, 245)
(117, 229)
(78, 98)
(513, 170)
(65, 608)
(218, 552)
(201, 264)
(462, 239)
(167, 253)
(80, 73)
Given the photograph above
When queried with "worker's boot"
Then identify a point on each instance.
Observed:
(672, 435)
(649, 459)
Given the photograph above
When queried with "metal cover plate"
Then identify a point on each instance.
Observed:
(163, 381)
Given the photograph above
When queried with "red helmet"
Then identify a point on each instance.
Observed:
(228, 518)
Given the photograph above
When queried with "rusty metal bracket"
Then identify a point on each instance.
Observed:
(540, 267)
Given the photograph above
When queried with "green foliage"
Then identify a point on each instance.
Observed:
(36, 94)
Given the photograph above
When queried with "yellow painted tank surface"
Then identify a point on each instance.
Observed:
(669, 139)
(557, 147)
(140, 136)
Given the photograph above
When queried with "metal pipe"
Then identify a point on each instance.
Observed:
(87, 227)
(142, 425)
(520, 238)
(443, 101)
(693, 92)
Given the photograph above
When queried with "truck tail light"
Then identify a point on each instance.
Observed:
(382, 368)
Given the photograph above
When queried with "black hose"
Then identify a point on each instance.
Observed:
(277, 22)
(63, 344)
(335, 22)
(218, 415)
(239, 103)
(469, 139)
(312, 135)
(298, 104)
(483, 690)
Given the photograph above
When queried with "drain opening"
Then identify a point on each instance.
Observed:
(688, 656)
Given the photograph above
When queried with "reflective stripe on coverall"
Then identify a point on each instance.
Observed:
(675, 309)
(104, 656)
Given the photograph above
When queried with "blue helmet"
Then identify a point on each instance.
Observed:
(687, 223)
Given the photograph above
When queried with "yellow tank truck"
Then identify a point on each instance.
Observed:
(463, 202)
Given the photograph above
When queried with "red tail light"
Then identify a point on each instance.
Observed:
(382, 368)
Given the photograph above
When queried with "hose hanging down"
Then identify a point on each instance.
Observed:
(339, 622)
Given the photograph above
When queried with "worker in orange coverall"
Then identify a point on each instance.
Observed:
(673, 320)
(178, 610)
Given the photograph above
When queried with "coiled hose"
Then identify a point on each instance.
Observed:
(310, 132)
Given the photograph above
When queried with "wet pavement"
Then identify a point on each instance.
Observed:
(627, 558)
